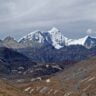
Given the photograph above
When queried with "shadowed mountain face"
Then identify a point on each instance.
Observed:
(15, 65)
(12, 60)
(49, 59)
(49, 54)
(52, 47)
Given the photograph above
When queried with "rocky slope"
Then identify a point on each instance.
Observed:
(12, 61)
(78, 80)
(10, 42)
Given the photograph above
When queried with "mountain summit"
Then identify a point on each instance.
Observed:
(54, 30)
(55, 38)
(87, 41)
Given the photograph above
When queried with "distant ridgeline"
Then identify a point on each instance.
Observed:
(52, 46)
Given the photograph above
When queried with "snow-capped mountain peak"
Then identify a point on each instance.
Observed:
(54, 30)
(53, 37)
(87, 41)
(33, 36)
(58, 39)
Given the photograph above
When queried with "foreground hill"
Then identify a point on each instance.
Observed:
(8, 90)
(78, 80)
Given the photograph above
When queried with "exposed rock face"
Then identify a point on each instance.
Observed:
(10, 42)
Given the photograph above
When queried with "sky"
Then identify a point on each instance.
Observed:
(74, 18)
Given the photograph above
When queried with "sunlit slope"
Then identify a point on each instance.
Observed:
(78, 80)
(9, 90)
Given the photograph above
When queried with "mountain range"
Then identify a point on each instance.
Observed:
(40, 48)
(48, 63)
(56, 38)
(52, 46)
(52, 37)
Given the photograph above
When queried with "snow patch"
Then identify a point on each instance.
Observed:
(48, 81)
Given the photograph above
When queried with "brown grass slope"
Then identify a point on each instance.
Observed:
(78, 80)
(8, 90)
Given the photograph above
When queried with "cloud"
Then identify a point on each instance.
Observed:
(90, 31)
(31, 14)
(41, 10)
